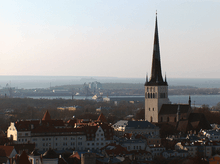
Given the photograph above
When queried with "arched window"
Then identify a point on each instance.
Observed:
(153, 95)
(148, 95)
(168, 119)
(151, 119)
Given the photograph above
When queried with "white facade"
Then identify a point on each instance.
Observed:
(99, 140)
(134, 145)
(43, 141)
(155, 97)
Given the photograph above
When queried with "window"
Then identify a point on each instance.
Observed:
(149, 109)
(34, 139)
(153, 109)
(26, 134)
(79, 143)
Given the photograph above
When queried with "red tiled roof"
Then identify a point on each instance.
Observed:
(75, 155)
(8, 149)
(2, 153)
(26, 125)
(52, 129)
(46, 116)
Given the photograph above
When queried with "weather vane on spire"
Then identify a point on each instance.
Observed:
(156, 12)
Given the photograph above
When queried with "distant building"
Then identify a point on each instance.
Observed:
(95, 85)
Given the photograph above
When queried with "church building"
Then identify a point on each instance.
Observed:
(158, 108)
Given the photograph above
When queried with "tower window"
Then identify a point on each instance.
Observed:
(151, 119)
(149, 109)
(168, 119)
(153, 109)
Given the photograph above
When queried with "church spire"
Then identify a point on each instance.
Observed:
(156, 75)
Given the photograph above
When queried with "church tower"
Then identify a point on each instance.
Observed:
(156, 89)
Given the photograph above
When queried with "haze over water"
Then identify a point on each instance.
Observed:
(32, 82)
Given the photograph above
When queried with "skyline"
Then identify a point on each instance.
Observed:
(109, 38)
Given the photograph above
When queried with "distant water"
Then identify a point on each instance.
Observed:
(29, 82)
(197, 100)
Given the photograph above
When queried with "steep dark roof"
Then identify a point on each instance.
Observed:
(50, 154)
(24, 158)
(156, 75)
(102, 118)
(172, 109)
(46, 116)
(195, 121)
(140, 125)
(199, 121)
(8, 149)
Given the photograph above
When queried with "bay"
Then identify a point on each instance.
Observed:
(196, 100)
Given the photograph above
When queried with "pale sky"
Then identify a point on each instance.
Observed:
(109, 37)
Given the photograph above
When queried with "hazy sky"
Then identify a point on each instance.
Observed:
(109, 37)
